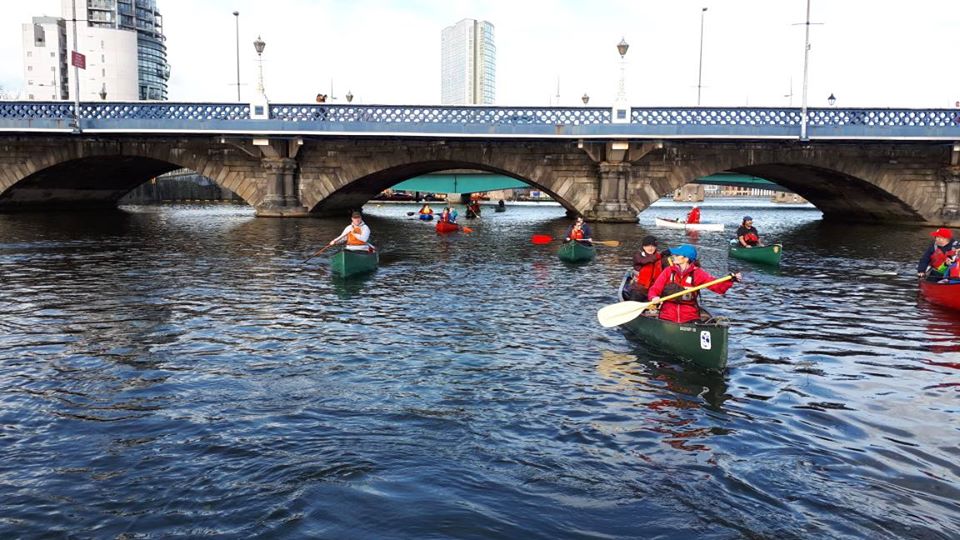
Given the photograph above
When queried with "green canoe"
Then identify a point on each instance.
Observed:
(703, 343)
(349, 262)
(759, 254)
(574, 251)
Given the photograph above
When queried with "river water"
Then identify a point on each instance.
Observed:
(180, 371)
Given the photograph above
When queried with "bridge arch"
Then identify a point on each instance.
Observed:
(97, 174)
(861, 184)
(565, 174)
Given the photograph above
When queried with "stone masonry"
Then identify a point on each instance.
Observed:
(603, 180)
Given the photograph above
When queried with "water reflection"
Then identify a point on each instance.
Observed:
(162, 360)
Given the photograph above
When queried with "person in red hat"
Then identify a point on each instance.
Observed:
(941, 254)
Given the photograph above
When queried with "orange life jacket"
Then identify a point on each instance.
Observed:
(353, 237)
(649, 272)
(939, 257)
(576, 234)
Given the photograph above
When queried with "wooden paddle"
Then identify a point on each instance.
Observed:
(321, 250)
(540, 239)
(624, 312)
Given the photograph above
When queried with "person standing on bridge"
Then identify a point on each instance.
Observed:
(355, 235)
(941, 253)
(747, 234)
(694, 216)
(580, 232)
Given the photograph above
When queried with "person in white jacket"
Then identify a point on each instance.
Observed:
(355, 235)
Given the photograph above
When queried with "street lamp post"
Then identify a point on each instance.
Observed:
(103, 92)
(259, 45)
(76, 73)
(806, 57)
(832, 100)
(585, 98)
(700, 71)
(349, 96)
(236, 17)
(621, 112)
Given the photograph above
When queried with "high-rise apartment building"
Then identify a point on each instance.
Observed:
(468, 64)
(45, 59)
(124, 46)
(140, 17)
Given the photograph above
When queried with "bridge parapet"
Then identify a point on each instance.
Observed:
(751, 123)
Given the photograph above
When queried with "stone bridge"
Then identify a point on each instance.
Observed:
(607, 173)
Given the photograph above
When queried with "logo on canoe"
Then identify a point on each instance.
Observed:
(705, 342)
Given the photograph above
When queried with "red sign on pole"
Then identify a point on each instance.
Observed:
(77, 59)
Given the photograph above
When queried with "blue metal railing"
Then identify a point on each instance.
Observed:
(483, 121)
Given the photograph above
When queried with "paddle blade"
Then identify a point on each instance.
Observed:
(541, 239)
(609, 243)
(621, 313)
(466, 229)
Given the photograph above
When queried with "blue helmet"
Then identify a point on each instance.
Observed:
(685, 250)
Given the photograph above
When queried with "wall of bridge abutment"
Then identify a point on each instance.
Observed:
(605, 180)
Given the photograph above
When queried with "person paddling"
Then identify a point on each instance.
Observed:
(694, 216)
(426, 210)
(355, 235)
(683, 274)
(647, 265)
(747, 235)
(579, 231)
(939, 256)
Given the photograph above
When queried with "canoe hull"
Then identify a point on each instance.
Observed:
(447, 227)
(349, 262)
(674, 224)
(769, 255)
(426, 217)
(499, 209)
(574, 251)
(703, 344)
(941, 294)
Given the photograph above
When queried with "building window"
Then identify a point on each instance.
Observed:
(31, 96)
(29, 53)
(29, 68)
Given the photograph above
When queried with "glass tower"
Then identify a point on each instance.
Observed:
(142, 17)
(468, 64)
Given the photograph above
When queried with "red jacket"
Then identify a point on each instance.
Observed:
(684, 308)
(647, 268)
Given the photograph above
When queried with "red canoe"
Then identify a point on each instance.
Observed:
(446, 226)
(942, 294)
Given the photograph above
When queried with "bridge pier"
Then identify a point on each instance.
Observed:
(951, 199)
(612, 206)
(278, 159)
(280, 199)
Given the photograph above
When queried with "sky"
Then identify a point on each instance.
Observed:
(868, 53)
